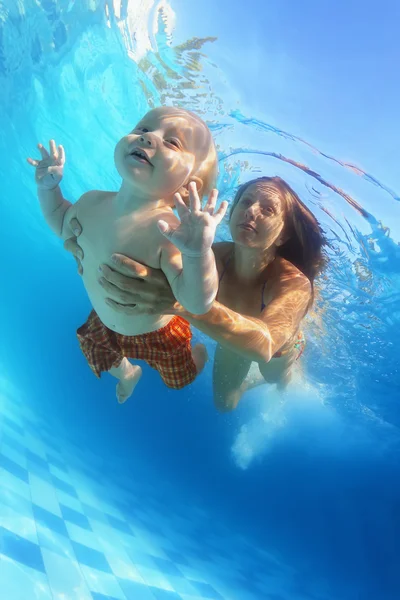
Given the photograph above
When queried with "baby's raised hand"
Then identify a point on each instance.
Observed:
(49, 170)
(195, 234)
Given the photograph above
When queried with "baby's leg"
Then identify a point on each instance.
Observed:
(128, 376)
(200, 357)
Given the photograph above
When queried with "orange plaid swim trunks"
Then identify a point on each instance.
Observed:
(168, 349)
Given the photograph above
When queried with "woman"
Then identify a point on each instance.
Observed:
(266, 287)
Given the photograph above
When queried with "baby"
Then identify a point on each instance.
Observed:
(169, 157)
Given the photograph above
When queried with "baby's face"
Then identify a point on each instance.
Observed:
(160, 154)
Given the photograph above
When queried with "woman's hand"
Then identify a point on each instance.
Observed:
(136, 289)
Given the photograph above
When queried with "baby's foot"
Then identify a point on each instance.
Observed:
(126, 386)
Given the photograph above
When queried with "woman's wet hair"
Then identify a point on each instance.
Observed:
(305, 239)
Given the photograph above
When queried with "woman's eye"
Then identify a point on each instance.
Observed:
(142, 129)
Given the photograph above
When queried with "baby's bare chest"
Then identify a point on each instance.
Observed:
(105, 233)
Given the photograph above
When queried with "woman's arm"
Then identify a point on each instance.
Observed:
(258, 339)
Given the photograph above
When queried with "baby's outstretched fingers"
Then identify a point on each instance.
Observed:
(194, 200)
(211, 202)
(53, 150)
(164, 228)
(43, 151)
(220, 213)
(180, 206)
(32, 162)
(61, 155)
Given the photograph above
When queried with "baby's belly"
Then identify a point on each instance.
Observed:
(116, 321)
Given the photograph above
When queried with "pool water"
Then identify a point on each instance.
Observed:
(291, 497)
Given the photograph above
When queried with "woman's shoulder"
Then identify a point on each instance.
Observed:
(286, 273)
(221, 248)
(222, 251)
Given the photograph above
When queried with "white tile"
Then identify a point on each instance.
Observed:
(102, 583)
(44, 495)
(18, 582)
(22, 525)
(65, 577)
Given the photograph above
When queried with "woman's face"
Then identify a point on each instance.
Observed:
(258, 218)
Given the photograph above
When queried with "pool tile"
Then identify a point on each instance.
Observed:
(120, 525)
(43, 495)
(102, 583)
(19, 582)
(69, 501)
(64, 487)
(83, 536)
(182, 585)
(17, 456)
(16, 522)
(57, 462)
(97, 596)
(14, 426)
(154, 578)
(91, 558)
(13, 443)
(135, 591)
(78, 518)
(13, 468)
(20, 549)
(14, 483)
(94, 513)
(167, 567)
(50, 520)
(161, 594)
(55, 542)
(207, 590)
(65, 577)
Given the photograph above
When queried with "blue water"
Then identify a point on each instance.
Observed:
(163, 498)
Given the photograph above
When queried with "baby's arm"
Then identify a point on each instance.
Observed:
(189, 264)
(48, 175)
(193, 280)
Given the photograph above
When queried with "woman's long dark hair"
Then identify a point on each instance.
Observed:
(305, 238)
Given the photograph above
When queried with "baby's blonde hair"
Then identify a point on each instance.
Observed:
(206, 167)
